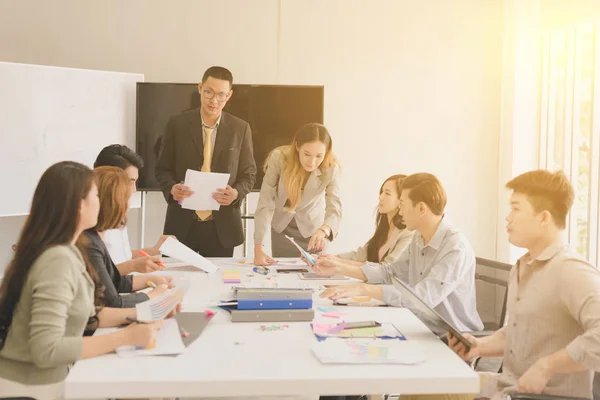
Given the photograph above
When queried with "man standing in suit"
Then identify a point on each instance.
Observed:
(210, 140)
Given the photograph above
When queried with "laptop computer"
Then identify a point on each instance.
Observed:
(429, 312)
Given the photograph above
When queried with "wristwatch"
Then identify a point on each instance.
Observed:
(326, 231)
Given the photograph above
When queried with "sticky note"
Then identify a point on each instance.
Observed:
(334, 314)
(338, 328)
(231, 276)
(326, 309)
(322, 328)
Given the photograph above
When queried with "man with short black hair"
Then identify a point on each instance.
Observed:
(207, 139)
(117, 240)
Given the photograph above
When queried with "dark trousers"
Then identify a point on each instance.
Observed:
(202, 238)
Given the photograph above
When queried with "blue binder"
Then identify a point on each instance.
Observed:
(274, 304)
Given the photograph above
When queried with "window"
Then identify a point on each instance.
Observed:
(570, 125)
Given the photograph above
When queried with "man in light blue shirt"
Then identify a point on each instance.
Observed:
(439, 263)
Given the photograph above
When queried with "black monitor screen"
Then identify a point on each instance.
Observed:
(273, 112)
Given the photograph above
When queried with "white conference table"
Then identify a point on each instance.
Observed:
(239, 359)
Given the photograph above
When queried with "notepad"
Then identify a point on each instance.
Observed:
(231, 276)
(168, 342)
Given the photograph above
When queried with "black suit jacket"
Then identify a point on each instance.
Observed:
(182, 149)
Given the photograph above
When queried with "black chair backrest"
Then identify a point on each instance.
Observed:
(17, 398)
(495, 280)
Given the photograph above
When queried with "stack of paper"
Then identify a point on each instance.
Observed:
(231, 276)
(159, 307)
(203, 184)
(368, 351)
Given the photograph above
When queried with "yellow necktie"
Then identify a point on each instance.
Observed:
(205, 214)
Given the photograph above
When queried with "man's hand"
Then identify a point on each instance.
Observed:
(179, 192)
(327, 265)
(535, 379)
(225, 196)
(460, 349)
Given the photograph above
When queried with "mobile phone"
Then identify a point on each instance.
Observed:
(292, 270)
(315, 276)
(361, 324)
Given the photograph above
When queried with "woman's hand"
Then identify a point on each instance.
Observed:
(317, 241)
(261, 258)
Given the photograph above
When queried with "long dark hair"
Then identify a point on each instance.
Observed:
(382, 224)
(53, 220)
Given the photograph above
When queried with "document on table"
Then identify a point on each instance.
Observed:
(168, 342)
(174, 248)
(368, 351)
(203, 184)
(159, 307)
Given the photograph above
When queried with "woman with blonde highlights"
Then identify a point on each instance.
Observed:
(299, 196)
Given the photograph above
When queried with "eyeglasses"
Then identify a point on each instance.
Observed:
(209, 94)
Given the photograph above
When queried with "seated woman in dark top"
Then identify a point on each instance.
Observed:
(114, 190)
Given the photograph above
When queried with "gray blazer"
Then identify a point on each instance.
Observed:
(320, 203)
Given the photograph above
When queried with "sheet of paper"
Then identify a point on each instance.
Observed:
(203, 184)
(159, 307)
(368, 351)
(308, 257)
(168, 342)
(174, 248)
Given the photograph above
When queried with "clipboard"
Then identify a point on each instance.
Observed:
(430, 312)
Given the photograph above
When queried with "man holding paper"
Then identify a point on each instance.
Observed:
(211, 141)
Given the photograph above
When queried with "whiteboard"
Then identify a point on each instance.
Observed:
(51, 114)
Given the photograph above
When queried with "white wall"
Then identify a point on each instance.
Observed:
(409, 86)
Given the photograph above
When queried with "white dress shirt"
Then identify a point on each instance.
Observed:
(117, 243)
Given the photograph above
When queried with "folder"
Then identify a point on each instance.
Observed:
(269, 315)
(272, 293)
(273, 304)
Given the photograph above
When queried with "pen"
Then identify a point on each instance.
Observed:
(261, 270)
(144, 254)
(184, 333)
(151, 284)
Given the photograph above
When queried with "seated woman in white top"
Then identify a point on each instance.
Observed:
(117, 240)
(299, 196)
(391, 236)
